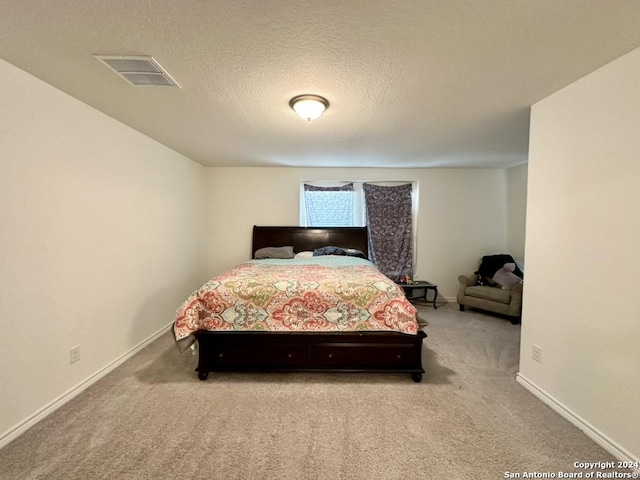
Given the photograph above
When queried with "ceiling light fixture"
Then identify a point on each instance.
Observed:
(309, 107)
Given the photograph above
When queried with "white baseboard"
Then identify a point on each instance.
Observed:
(588, 429)
(48, 409)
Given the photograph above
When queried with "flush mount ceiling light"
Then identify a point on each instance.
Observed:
(309, 107)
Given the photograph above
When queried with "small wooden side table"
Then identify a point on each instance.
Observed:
(410, 288)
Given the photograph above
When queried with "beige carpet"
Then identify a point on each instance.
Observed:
(153, 419)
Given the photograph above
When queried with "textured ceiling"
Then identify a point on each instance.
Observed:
(418, 83)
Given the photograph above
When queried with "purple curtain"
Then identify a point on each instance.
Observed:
(388, 215)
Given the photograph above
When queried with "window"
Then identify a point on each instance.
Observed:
(342, 204)
(331, 204)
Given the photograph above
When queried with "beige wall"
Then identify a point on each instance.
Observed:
(101, 238)
(462, 213)
(516, 211)
(582, 250)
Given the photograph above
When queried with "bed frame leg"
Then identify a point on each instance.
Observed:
(203, 375)
(416, 377)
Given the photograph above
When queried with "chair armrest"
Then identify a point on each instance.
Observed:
(515, 306)
(467, 280)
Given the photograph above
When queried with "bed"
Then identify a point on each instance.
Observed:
(275, 315)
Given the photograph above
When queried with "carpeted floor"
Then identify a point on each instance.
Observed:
(151, 418)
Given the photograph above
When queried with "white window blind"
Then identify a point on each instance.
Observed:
(327, 206)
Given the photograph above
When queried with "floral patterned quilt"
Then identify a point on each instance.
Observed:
(317, 294)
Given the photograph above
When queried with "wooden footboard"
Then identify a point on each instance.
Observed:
(310, 352)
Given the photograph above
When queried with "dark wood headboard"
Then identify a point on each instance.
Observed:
(309, 238)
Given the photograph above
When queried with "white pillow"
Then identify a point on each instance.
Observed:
(304, 255)
(505, 276)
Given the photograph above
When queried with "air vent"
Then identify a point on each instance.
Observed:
(139, 71)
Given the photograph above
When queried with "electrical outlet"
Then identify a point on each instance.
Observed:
(74, 354)
(536, 353)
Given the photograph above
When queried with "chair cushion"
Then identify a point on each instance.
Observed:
(489, 293)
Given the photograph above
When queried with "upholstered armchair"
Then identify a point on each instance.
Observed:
(491, 299)
(499, 289)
